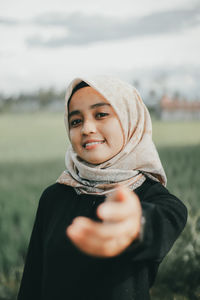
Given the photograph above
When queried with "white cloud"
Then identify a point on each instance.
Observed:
(28, 68)
(26, 9)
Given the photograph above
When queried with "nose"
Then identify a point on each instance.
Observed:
(88, 127)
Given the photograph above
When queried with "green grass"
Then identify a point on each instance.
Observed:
(32, 137)
(32, 149)
(42, 136)
(176, 133)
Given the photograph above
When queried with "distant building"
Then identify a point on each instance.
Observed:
(179, 109)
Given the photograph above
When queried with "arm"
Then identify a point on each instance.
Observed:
(165, 217)
(30, 287)
(120, 229)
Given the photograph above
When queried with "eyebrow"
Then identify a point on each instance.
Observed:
(77, 112)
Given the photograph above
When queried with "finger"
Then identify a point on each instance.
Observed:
(97, 248)
(88, 245)
(117, 195)
(121, 194)
(115, 210)
(86, 228)
(80, 237)
(91, 242)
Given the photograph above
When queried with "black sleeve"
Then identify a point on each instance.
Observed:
(30, 288)
(165, 217)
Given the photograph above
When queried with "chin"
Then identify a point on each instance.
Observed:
(98, 161)
(94, 161)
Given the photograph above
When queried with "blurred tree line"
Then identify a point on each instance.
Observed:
(50, 99)
(34, 101)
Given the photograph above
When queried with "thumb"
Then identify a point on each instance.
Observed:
(129, 197)
(122, 194)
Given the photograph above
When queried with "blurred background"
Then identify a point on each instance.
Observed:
(152, 44)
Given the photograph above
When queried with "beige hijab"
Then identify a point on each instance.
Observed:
(138, 157)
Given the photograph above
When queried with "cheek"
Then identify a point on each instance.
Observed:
(116, 134)
(73, 137)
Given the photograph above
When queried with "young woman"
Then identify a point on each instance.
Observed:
(102, 230)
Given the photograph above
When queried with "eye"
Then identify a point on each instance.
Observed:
(101, 115)
(75, 123)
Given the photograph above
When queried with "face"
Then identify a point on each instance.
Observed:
(95, 131)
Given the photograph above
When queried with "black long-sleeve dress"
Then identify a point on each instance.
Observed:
(56, 270)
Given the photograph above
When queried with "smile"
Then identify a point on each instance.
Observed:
(92, 144)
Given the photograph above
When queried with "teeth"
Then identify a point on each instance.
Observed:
(93, 143)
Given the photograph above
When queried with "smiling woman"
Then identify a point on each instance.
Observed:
(101, 231)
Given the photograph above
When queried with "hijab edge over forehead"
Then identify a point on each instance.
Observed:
(91, 83)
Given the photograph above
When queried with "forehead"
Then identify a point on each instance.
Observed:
(84, 98)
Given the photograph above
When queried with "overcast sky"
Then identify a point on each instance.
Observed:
(48, 43)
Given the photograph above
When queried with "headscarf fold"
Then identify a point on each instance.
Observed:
(138, 157)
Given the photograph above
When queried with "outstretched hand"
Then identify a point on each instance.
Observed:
(121, 215)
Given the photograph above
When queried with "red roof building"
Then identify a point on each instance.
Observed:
(179, 109)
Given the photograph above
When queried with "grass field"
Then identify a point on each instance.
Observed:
(32, 149)
(39, 137)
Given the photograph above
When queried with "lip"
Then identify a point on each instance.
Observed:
(92, 141)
